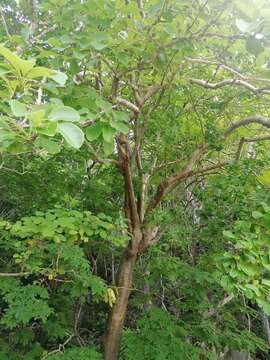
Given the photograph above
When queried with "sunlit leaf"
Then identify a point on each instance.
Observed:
(64, 113)
(18, 108)
(72, 134)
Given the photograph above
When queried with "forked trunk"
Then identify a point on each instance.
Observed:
(118, 313)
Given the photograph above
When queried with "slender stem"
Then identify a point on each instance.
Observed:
(4, 22)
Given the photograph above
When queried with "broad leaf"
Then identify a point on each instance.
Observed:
(254, 46)
(120, 127)
(108, 147)
(17, 108)
(64, 113)
(72, 134)
(60, 78)
(108, 133)
(243, 25)
(39, 72)
(20, 65)
(48, 128)
(265, 178)
(94, 131)
(52, 147)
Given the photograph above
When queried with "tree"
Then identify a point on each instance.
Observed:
(165, 91)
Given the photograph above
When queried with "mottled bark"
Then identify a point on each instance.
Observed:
(118, 313)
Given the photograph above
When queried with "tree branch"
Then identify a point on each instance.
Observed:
(258, 138)
(130, 198)
(19, 274)
(152, 90)
(227, 68)
(237, 82)
(222, 303)
(239, 149)
(247, 140)
(257, 119)
(128, 104)
(170, 182)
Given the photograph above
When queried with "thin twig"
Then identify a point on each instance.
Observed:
(4, 21)
(19, 274)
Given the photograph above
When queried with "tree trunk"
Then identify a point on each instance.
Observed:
(236, 355)
(118, 313)
(266, 326)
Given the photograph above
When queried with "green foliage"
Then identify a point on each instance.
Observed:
(25, 303)
(78, 353)
(49, 250)
(53, 244)
(159, 337)
(246, 267)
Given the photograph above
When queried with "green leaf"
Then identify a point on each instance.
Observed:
(4, 69)
(154, 9)
(266, 207)
(18, 108)
(4, 122)
(257, 215)
(228, 234)
(264, 305)
(246, 8)
(39, 72)
(98, 41)
(254, 288)
(64, 113)
(108, 147)
(254, 46)
(266, 282)
(51, 146)
(108, 133)
(17, 148)
(72, 134)
(37, 117)
(54, 42)
(243, 25)
(60, 78)
(104, 105)
(48, 128)
(120, 116)
(20, 65)
(94, 131)
(265, 178)
(120, 127)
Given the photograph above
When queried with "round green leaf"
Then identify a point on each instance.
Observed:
(108, 133)
(64, 113)
(60, 78)
(254, 46)
(108, 147)
(72, 134)
(94, 131)
(243, 25)
(18, 108)
(52, 147)
(120, 127)
(49, 129)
